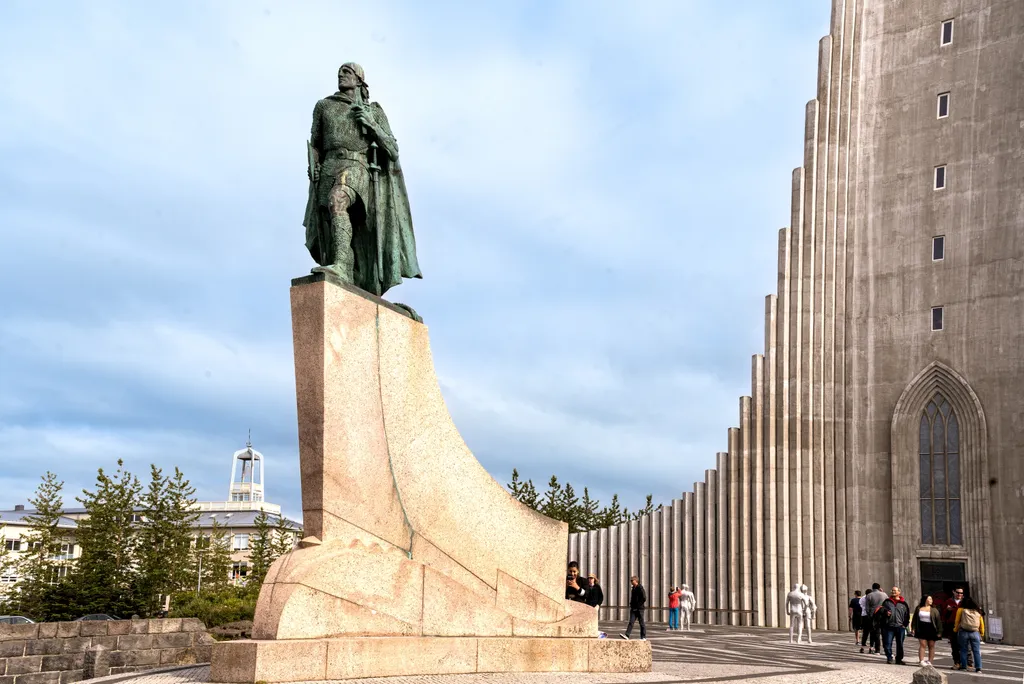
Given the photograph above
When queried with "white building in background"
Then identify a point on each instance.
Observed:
(236, 516)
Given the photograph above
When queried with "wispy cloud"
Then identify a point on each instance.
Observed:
(596, 190)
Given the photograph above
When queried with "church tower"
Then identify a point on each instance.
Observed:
(882, 439)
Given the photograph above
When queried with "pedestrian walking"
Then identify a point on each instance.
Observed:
(637, 603)
(856, 611)
(897, 618)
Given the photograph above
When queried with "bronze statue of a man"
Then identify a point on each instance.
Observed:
(358, 223)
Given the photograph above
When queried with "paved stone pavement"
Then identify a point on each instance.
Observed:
(710, 654)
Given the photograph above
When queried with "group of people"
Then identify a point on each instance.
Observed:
(681, 601)
(886, 619)
(583, 590)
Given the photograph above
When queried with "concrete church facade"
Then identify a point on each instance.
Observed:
(884, 438)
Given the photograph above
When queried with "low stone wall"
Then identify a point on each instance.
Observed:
(64, 652)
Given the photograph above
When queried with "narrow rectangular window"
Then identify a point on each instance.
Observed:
(937, 318)
(947, 32)
(943, 105)
(938, 248)
(940, 177)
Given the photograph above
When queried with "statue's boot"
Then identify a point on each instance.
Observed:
(341, 258)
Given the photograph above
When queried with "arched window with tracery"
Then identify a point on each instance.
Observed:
(940, 474)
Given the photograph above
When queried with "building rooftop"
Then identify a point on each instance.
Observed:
(17, 517)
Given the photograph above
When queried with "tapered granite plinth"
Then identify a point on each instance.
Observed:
(414, 557)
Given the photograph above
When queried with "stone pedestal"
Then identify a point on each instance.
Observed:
(411, 547)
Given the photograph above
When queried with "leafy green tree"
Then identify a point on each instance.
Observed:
(108, 576)
(165, 535)
(42, 562)
(261, 549)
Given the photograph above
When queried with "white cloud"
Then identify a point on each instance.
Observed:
(596, 190)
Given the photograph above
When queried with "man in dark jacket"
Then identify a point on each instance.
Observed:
(637, 602)
(895, 628)
(948, 610)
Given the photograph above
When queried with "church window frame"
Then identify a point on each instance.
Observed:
(940, 485)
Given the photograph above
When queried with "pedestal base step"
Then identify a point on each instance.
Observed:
(297, 660)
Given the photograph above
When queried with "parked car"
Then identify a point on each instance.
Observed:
(15, 620)
(96, 616)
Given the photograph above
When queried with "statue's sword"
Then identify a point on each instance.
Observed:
(374, 172)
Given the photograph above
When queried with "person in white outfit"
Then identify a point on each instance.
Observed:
(687, 604)
(795, 608)
(810, 608)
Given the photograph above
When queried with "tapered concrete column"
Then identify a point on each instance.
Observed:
(678, 549)
(734, 560)
(582, 552)
(758, 485)
(625, 566)
(770, 407)
(593, 541)
(644, 544)
(634, 553)
(700, 553)
(722, 533)
(604, 557)
(746, 517)
(668, 554)
(654, 594)
(610, 582)
(688, 554)
(782, 427)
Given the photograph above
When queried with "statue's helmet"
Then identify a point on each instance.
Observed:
(803, 587)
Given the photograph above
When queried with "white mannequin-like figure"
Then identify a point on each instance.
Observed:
(687, 604)
(796, 607)
(810, 608)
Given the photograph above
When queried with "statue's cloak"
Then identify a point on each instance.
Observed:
(385, 247)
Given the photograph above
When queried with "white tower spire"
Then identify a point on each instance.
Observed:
(246, 474)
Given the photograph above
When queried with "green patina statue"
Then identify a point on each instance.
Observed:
(358, 223)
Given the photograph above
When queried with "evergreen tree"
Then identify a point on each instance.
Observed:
(261, 549)
(284, 537)
(41, 561)
(552, 504)
(529, 496)
(108, 575)
(515, 487)
(8, 567)
(570, 505)
(165, 535)
(212, 559)
(612, 514)
(590, 519)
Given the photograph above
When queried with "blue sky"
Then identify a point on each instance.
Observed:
(596, 192)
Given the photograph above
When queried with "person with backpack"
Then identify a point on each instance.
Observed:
(873, 601)
(895, 616)
(969, 627)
